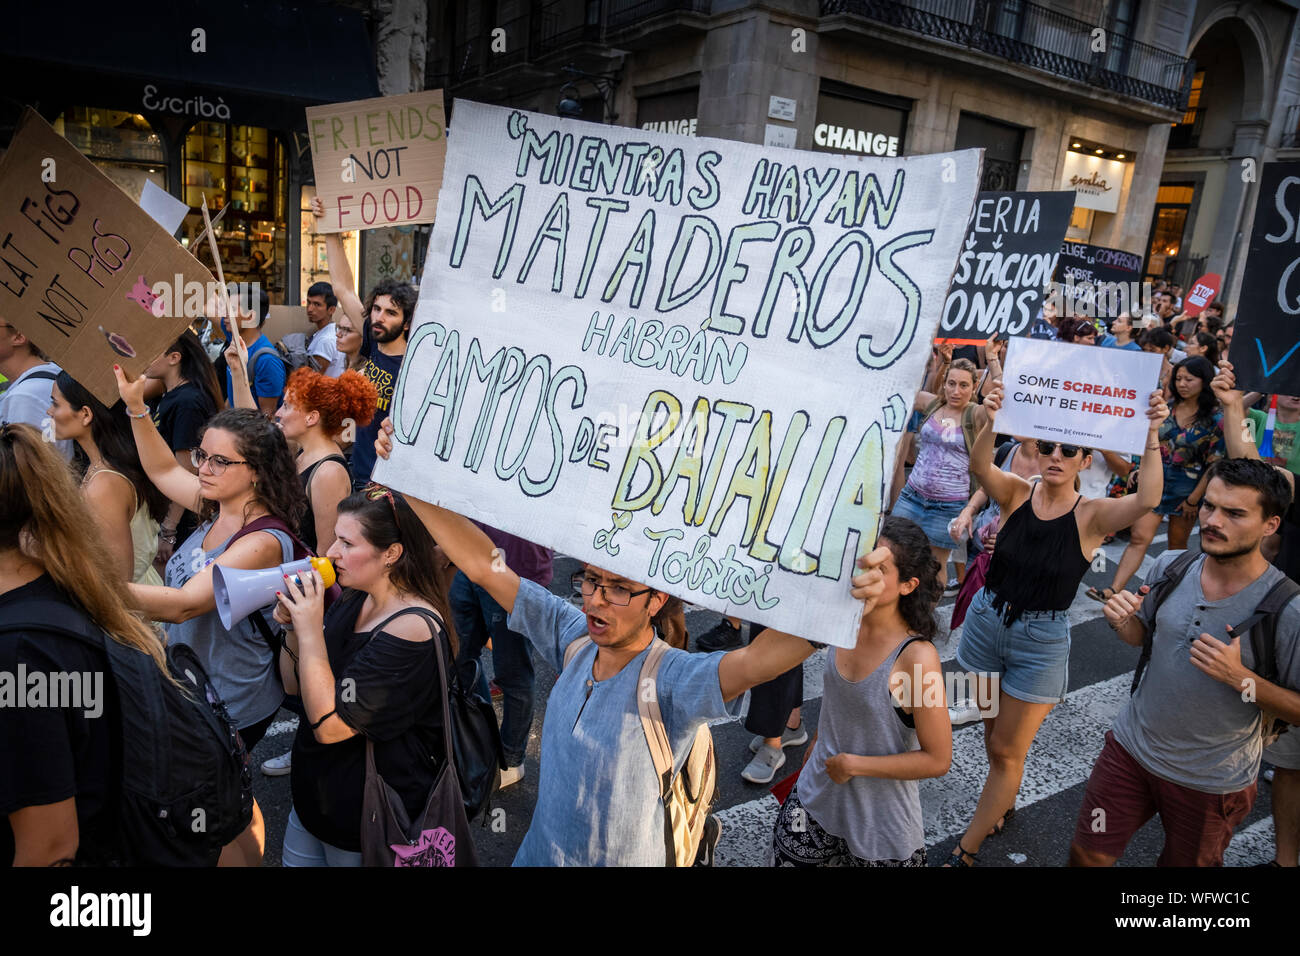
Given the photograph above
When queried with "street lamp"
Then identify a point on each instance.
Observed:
(570, 105)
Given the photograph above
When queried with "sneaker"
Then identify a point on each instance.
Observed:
(1268, 774)
(511, 776)
(721, 637)
(764, 766)
(963, 712)
(953, 587)
(278, 766)
(790, 737)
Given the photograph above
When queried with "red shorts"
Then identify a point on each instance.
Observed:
(1122, 796)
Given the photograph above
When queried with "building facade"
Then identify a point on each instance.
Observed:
(1071, 94)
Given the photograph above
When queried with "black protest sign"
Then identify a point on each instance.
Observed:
(1097, 281)
(1005, 264)
(1267, 342)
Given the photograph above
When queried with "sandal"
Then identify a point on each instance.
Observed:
(958, 857)
(1104, 595)
(1000, 827)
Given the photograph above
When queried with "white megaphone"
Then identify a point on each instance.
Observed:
(239, 592)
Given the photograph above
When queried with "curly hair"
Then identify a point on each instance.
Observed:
(261, 443)
(403, 295)
(350, 396)
(913, 558)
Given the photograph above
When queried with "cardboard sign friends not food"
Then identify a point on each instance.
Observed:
(686, 360)
(1078, 394)
(378, 162)
(85, 273)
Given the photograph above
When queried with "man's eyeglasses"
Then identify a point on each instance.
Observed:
(612, 593)
(1047, 447)
(217, 463)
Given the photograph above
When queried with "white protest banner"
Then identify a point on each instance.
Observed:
(1078, 394)
(378, 162)
(685, 360)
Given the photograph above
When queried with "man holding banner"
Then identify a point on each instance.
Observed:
(598, 801)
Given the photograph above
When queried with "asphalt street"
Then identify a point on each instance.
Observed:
(1101, 668)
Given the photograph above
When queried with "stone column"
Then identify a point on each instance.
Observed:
(401, 44)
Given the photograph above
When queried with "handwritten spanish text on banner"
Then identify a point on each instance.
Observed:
(687, 361)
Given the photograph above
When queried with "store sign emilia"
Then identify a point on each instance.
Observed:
(1097, 182)
(85, 273)
(378, 162)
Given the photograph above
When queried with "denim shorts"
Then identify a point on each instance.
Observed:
(1176, 489)
(1032, 655)
(933, 516)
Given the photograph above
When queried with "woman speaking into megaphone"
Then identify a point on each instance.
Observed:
(248, 497)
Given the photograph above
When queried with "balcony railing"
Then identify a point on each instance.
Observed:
(628, 13)
(1037, 37)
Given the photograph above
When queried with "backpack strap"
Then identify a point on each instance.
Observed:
(652, 722)
(1263, 627)
(936, 403)
(46, 614)
(968, 426)
(252, 359)
(44, 373)
(1155, 597)
(656, 735)
(574, 647)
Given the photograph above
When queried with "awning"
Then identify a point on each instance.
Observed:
(264, 61)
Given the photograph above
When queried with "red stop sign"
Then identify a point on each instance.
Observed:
(1202, 293)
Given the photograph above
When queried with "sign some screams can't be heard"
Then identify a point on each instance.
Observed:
(684, 359)
(85, 273)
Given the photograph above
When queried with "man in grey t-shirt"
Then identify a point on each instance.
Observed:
(1187, 744)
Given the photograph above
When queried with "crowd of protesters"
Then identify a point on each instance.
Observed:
(251, 464)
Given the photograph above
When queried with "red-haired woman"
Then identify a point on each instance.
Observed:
(317, 410)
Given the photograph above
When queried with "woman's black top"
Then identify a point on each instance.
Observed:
(308, 528)
(387, 689)
(1037, 565)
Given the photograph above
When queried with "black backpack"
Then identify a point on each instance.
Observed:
(1262, 625)
(186, 780)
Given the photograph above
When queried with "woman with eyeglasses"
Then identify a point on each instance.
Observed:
(248, 498)
(1191, 439)
(1018, 625)
(368, 674)
(349, 341)
(126, 506)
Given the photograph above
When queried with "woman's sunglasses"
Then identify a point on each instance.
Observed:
(374, 492)
(1047, 447)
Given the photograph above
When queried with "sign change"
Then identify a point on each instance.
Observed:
(1005, 265)
(686, 360)
(1264, 349)
(1098, 282)
(87, 274)
(378, 162)
(1078, 394)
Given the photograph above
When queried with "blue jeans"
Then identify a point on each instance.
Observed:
(478, 619)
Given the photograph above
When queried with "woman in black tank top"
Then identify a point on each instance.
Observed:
(317, 411)
(1017, 628)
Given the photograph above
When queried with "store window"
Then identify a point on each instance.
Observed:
(315, 263)
(669, 112)
(1173, 203)
(245, 168)
(1002, 144)
(859, 122)
(122, 144)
